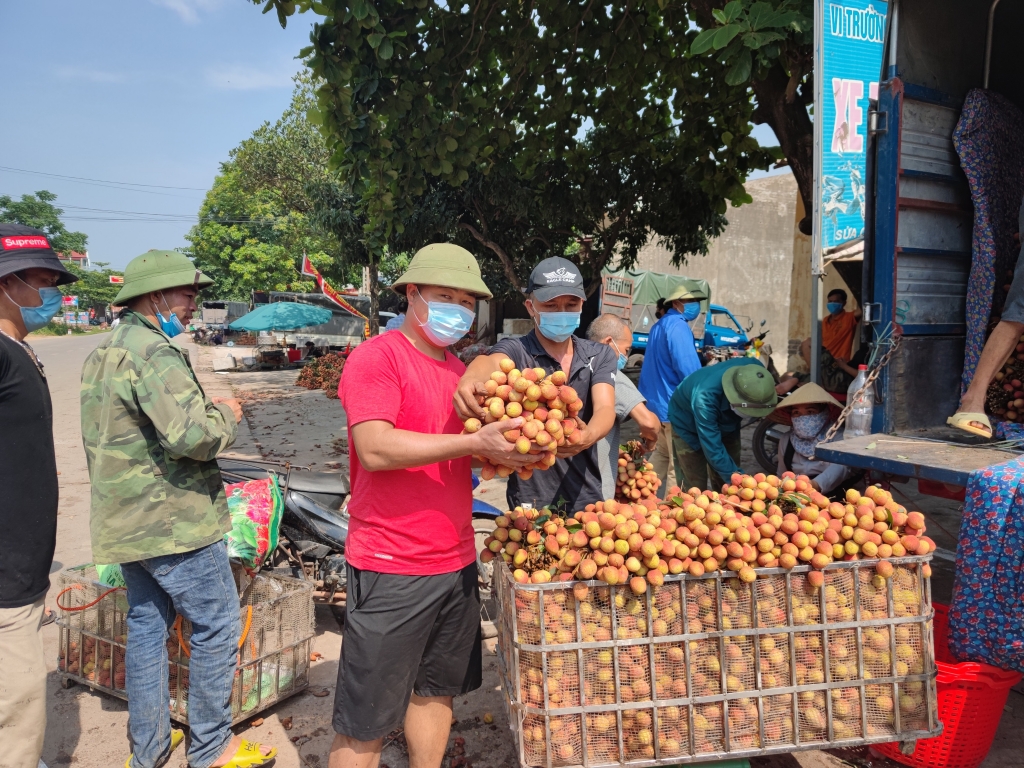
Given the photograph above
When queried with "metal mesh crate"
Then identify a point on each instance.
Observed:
(277, 632)
(711, 667)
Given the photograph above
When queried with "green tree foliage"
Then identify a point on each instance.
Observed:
(768, 44)
(93, 288)
(39, 211)
(256, 221)
(416, 95)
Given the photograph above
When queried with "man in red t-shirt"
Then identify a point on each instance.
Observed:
(412, 622)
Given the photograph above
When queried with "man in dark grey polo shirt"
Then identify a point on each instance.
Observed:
(554, 301)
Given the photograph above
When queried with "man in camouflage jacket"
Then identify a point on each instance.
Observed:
(151, 439)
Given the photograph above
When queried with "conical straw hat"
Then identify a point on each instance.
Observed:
(805, 395)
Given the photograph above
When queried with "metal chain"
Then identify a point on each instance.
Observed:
(872, 376)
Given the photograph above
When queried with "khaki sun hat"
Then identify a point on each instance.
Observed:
(444, 264)
(159, 271)
(750, 389)
(686, 293)
(808, 394)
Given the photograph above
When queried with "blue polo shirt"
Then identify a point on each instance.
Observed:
(700, 413)
(670, 358)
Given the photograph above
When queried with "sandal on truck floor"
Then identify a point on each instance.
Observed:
(177, 736)
(962, 420)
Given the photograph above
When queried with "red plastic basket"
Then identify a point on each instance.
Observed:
(971, 698)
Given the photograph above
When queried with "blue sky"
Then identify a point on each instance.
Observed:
(144, 91)
(149, 92)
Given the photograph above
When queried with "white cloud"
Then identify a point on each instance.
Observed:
(90, 75)
(188, 10)
(244, 77)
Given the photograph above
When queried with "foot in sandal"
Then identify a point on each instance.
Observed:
(976, 423)
(177, 736)
(245, 754)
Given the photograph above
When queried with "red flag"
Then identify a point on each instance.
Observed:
(328, 290)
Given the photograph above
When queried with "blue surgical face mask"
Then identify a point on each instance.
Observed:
(170, 325)
(36, 317)
(690, 311)
(834, 307)
(558, 326)
(446, 323)
(621, 362)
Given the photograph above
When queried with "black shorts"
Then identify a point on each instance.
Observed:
(405, 634)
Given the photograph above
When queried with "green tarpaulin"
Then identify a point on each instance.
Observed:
(648, 287)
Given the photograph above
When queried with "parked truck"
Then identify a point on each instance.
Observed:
(634, 295)
(919, 262)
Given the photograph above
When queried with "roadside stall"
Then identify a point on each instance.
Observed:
(278, 316)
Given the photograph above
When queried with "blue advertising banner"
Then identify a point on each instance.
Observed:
(851, 39)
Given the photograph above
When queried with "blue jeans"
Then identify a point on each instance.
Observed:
(199, 586)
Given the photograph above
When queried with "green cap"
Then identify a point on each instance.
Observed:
(447, 265)
(686, 293)
(159, 271)
(750, 389)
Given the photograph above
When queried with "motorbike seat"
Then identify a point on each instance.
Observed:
(334, 483)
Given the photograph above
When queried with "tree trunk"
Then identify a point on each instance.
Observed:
(374, 297)
(784, 111)
(503, 257)
(793, 128)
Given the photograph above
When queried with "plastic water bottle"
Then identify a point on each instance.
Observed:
(858, 422)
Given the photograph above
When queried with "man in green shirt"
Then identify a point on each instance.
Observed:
(151, 440)
(706, 412)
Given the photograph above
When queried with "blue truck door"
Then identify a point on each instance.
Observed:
(921, 254)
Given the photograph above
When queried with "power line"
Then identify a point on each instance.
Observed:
(132, 213)
(101, 181)
(106, 185)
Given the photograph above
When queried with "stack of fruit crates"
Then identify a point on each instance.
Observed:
(711, 667)
(277, 637)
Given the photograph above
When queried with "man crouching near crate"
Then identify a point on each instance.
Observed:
(412, 619)
(158, 508)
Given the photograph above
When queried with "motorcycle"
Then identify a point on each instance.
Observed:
(765, 444)
(315, 523)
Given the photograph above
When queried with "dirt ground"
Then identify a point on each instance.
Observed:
(284, 422)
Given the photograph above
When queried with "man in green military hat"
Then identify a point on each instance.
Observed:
(706, 412)
(412, 622)
(151, 440)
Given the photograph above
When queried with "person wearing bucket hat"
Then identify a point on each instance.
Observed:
(670, 357)
(809, 412)
(30, 272)
(151, 438)
(706, 412)
(412, 625)
(554, 302)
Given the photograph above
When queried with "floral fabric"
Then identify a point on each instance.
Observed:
(256, 507)
(986, 619)
(989, 138)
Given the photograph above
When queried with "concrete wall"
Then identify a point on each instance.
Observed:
(755, 264)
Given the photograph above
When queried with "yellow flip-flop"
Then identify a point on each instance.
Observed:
(249, 755)
(177, 736)
(962, 420)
